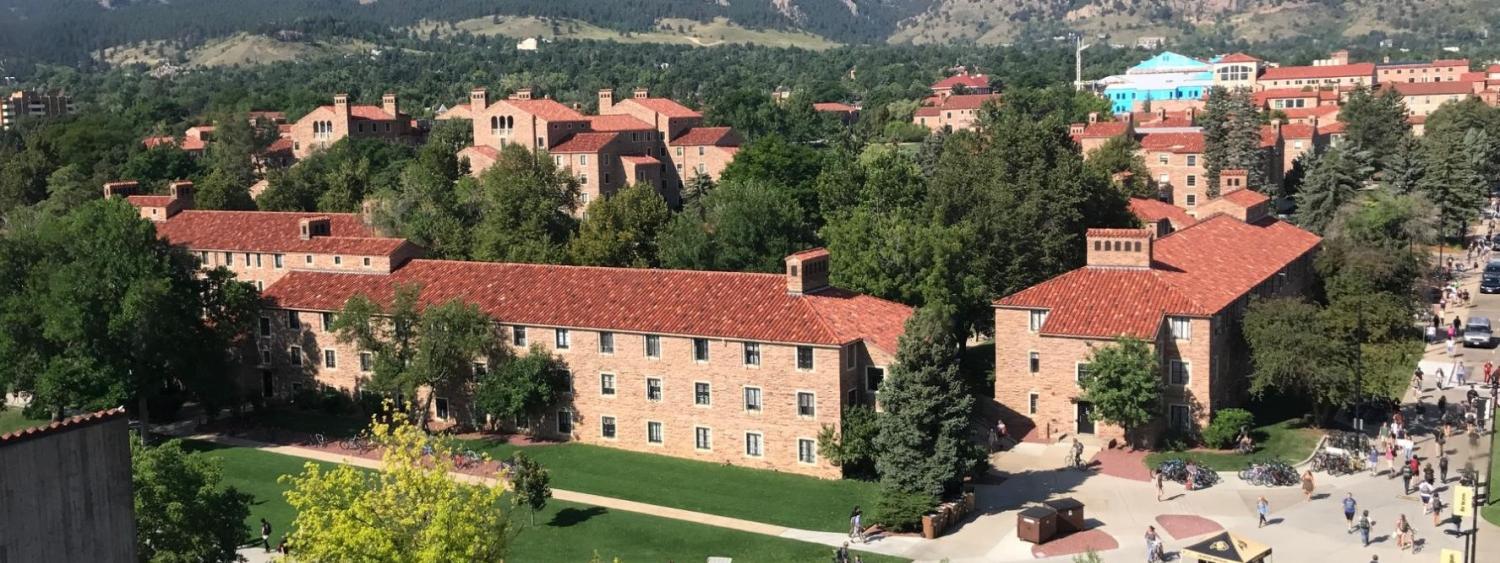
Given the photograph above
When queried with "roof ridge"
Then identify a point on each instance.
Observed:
(823, 325)
(59, 425)
(605, 268)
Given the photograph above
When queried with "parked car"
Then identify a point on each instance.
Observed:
(1477, 332)
(1489, 283)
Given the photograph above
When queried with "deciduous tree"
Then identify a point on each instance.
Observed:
(1124, 383)
(522, 388)
(525, 205)
(740, 225)
(530, 484)
(183, 510)
(622, 230)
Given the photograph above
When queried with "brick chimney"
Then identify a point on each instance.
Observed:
(606, 100)
(479, 100)
(641, 93)
(523, 94)
(341, 104)
(1120, 248)
(1093, 117)
(121, 188)
(311, 227)
(807, 271)
(1233, 180)
(182, 193)
(1076, 128)
(388, 103)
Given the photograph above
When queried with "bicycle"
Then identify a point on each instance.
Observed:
(467, 458)
(319, 440)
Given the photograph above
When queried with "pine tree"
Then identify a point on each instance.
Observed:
(923, 446)
(1333, 181)
(1231, 138)
(1375, 123)
(1453, 180)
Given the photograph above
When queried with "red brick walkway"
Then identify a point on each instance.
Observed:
(1124, 464)
(1181, 526)
(1073, 544)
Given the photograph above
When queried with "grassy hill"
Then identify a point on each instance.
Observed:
(667, 30)
(235, 50)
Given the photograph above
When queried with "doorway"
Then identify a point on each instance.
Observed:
(267, 384)
(1085, 417)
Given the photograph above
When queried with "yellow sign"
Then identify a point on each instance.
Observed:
(1451, 556)
(1463, 501)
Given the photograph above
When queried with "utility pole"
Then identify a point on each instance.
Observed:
(1078, 47)
(1359, 354)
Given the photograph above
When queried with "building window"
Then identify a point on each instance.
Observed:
(653, 432)
(293, 321)
(1161, 159)
(805, 404)
(1036, 319)
(752, 353)
(564, 340)
(440, 404)
(805, 358)
(330, 359)
(367, 261)
(1192, 181)
(1178, 417)
(565, 422)
(703, 438)
(1192, 160)
(1182, 328)
(807, 451)
(607, 426)
(606, 343)
(276, 261)
(1179, 372)
(653, 346)
(752, 399)
(518, 336)
(850, 358)
(700, 349)
(367, 363)
(583, 160)
(701, 394)
(338, 260)
(752, 444)
(265, 326)
(296, 353)
(228, 258)
(653, 389)
(1080, 371)
(873, 377)
(327, 319)
(265, 356)
(1192, 200)
(607, 384)
(257, 260)
(1031, 403)
(679, 151)
(307, 259)
(1034, 361)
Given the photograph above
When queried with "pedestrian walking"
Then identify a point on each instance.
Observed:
(1436, 508)
(1374, 460)
(1461, 374)
(1307, 484)
(1437, 377)
(1424, 492)
(1192, 471)
(1159, 486)
(1489, 368)
(1443, 467)
(1403, 533)
(1263, 510)
(1406, 475)
(265, 534)
(1364, 526)
(1154, 550)
(1349, 508)
(1427, 474)
(856, 532)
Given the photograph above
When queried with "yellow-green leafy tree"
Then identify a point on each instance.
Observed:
(412, 511)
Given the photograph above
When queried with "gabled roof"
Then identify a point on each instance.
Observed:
(1181, 143)
(372, 113)
(1298, 131)
(639, 160)
(1331, 128)
(1196, 271)
(1314, 72)
(619, 122)
(585, 142)
(740, 306)
(273, 232)
(149, 200)
(1151, 210)
(664, 106)
(1246, 198)
(1321, 112)
(1432, 88)
(963, 79)
(965, 101)
(833, 107)
(1104, 130)
(707, 136)
(547, 110)
(1237, 58)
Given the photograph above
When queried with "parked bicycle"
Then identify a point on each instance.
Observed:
(1333, 463)
(467, 458)
(360, 443)
(319, 440)
(1177, 470)
(1270, 474)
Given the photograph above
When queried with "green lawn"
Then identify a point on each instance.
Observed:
(752, 494)
(11, 419)
(1286, 440)
(1491, 509)
(564, 531)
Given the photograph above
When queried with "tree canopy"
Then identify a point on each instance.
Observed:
(1124, 384)
(183, 510)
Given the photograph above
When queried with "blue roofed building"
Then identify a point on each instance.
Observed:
(1166, 76)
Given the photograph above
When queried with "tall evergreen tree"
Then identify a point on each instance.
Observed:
(1333, 181)
(1231, 138)
(1453, 180)
(1375, 123)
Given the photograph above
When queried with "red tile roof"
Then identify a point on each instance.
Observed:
(744, 306)
(70, 423)
(707, 136)
(548, 110)
(274, 232)
(153, 142)
(927, 111)
(1331, 128)
(1104, 130)
(668, 108)
(1265, 96)
(1451, 62)
(965, 79)
(279, 146)
(1246, 198)
(1268, 136)
(372, 113)
(1196, 271)
(966, 101)
(1321, 112)
(1238, 58)
(1150, 211)
(1298, 131)
(1432, 88)
(460, 111)
(833, 107)
(1331, 71)
(639, 160)
(1181, 143)
(149, 200)
(585, 142)
(619, 122)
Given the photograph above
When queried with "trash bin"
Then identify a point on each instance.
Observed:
(1036, 524)
(1069, 514)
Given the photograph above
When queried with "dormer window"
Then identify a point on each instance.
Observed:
(1036, 319)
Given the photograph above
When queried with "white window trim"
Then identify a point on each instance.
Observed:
(1035, 320)
(601, 427)
(295, 352)
(797, 360)
(323, 359)
(1187, 323)
(1029, 397)
(360, 356)
(745, 355)
(760, 395)
(1029, 354)
(1184, 406)
(761, 443)
(658, 444)
(1187, 370)
(600, 344)
(572, 424)
(662, 387)
(614, 387)
(797, 443)
(710, 402)
(1076, 376)
(796, 398)
(707, 350)
(867, 378)
(710, 430)
(646, 346)
(562, 339)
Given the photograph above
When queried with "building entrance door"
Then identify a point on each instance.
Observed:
(1085, 418)
(267, 384)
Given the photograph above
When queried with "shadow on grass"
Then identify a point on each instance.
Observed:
(573, 516)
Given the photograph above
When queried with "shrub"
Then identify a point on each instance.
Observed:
(335, 402)
(902, 511)
(1225, 428)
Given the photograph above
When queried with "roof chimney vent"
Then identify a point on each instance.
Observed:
(807, 271)
(311, 227)
(1120, 248)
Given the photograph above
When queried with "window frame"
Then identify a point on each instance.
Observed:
(295, 352)
(809, 446)
(1186, 334)
(760, 402)
(565, 414)
(330, 358)
(750, 354)
(607, 428)
(562, 339)
(811, 362)
(1033, 403)
(661, 433)
(703, 394)
(1172, 370)
(812, 404)
(1036, 319)
(1034, 362)
(518, 335)
(660, 392)
(606, 343)
(701, 352)
(703, 438)
(758, 440)
(652, 346)
(607, 385)
(881, 379)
